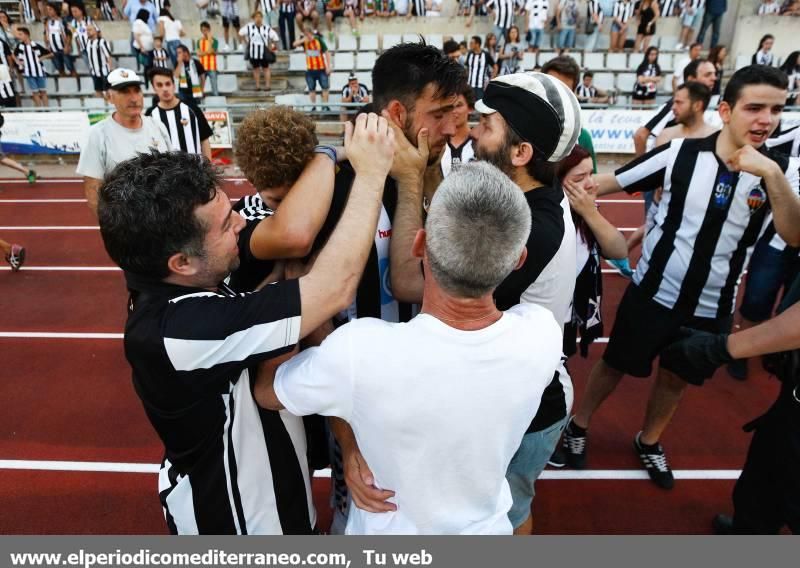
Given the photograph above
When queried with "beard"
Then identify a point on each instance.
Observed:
(435, 152)
(499, 158)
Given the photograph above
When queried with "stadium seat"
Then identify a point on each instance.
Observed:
(235, 63)
(577, 56)
(338, 80)
(85, 86)
(603, 42)
(227, 83)
(742, 61)
(435, 40)
(666, 85)
(625, 82)
(82, 69)
(668, 43)
(70, 103)
(51, 85)
(216, 102)
(297, 62)
(347, 43)
(391, 39)
(365, 60)
(68, 86)
(27, 103)
(127, 61)
(121, 47)
(52, 103)
(343, 61)
(366, 79)
(617, 61)
(528, 61)
(604, 81)
(94, 102)
(594, 60)
(368, 43)
(665, 60)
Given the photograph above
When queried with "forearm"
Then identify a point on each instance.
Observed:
(205, 148)
(90, 188)
(611, 242)
(407, 281)
(640, 141)
(785, 206)
(606, 184)
(344, 434)
(781, 333)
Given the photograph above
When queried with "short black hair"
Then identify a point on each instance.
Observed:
(691, 68)
(24, 30)
(477, 39)
(146, 209)
(587, 74)
(697, 92)
(402, 72)
(450, 46)
(159, 72)
(753, 75)
(205, 24)
(184, 48)
(564, 65)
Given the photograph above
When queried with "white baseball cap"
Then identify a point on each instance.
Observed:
(120, 78)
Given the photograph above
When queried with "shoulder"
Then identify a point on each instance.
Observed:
(537, 320)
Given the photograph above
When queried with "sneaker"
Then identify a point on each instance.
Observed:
(737, 369)
(622, 266)
(31, 176)
(558, 459)
(655, 462)
(16, 258)
(574, 444)
(722, 524)
(679, 47)
(226, 47)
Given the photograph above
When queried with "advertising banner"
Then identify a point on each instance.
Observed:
(220, 123)
(44, 133)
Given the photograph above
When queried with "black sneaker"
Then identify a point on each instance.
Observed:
(574, 445)
(655, 461)
(558, 459)
(722, 524)
(737, 369)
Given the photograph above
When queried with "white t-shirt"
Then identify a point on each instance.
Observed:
(537, 13)
(172, 28)
(437, 412)
(145, 34)
(679, 67)
(110, 143)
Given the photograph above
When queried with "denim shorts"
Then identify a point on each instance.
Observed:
(527, 465)
(36, 83)
(536, 37)
(318, 76)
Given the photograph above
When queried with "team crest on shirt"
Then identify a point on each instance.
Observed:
(756, 199)
(184, 121)
(723, 191)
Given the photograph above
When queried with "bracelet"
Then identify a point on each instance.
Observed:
(327, 150)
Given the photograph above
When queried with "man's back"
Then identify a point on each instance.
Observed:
(437, 412)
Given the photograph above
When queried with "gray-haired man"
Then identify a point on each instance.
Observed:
(440, 404)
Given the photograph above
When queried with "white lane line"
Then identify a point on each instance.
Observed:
(70, 268)
(121, 467)
(52, 228)
(619, 201)
(58, 335)
(42, 201)
(45, 181)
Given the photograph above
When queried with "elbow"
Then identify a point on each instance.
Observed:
(298, 242)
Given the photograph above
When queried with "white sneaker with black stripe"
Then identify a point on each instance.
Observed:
(655, 462)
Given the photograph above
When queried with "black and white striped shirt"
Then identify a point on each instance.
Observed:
(6, 87)
(668, 7)
(268, 6)
(27, 11)
(29, 59)
(80, 31)
(160, 58)
(359, 95)
(98, 52)
(706, 225)
(623, 11)
(585, 93)
(106, 9)
(503, 13)
(187, 128)
(479, 66)
(771, 8)
(55, 34)
(664, 118)
(229, 467)
(420, 8)
(252, 271)
(593, 7)
(288, 8)
(787, 143)
(258, 39)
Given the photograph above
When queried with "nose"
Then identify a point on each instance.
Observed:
(238, 223)
(448, 125)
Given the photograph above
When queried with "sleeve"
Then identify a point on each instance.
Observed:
(105, 48)
(211, 332)
(319, 380)
(93, 157)
(323, 45)
(273, 36)
(645, 173)
(205, 128)
(659, 116)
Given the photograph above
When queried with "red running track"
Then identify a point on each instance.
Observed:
(72, 400)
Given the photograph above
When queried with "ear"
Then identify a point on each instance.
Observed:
(418, 246)
(522, 154)
(724, 111)
(522, 258)
(181, 264)
(397, 113)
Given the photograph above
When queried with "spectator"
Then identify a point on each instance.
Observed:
(207, 47)
(143, 42)
(452, 49)
(715, 10)
(160, 55)
(55, 40)
(108, 10)
(30, 55)
(459, 148)
(537, 11)
(669, 8)
(791, 8)
(764, 56)
(792, 69)
(385, 8)
(230, 17)
(648, 13)
(623, 10)
(418, 8)
(132, 8)
(511, 55)
(480, 65)
(691, 12)
(355, 92)
(172, 31)
(648, 77)
(594, 21)
(190, 77)
(307, 12)
(262, 41)
(7, 30)
(677, 75)
(502, 12)
(8, 97)
(566, 22)
(717, 56)
(27, 11)
(491, 45)
(769, 7)
(318, 64)
(286, 23)
(100, 62)
(80, 29)
(402, 7)
(588, 93)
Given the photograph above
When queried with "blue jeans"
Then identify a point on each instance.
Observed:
(527, 465)
(212, 76)
(536, 38)
(172, 50)
(566, 38)
(714, 20)
(769, 270)
(61, 61)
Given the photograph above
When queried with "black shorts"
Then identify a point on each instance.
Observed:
(8, 102)
(234, 20)
(643, 328)
(100, 84)
(259, 63)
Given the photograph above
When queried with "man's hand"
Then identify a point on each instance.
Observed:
(361, 484)
(370, 145)
(409, 161)
(696, 354)
(748, 159)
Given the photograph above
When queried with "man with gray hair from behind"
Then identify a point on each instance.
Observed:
(439, 404)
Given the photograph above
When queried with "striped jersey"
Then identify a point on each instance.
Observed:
(706, 225)
(420, 8)
(585, 93)
(669, 7)
(358, 95)
(79, 31)
(259, 39)
(623, 11)
(268, 6)
(187, 128)
(55, 34)
(29, 59)
(454, 156)
(252, 271)
(593, 7)
(787, 143)
(537, 13)
(161, 58)
(106, 9)
(288, 7)
(315, 50)
(503, 12)
(6, 87)
(99, 52)
(27, 13)
(664, 118)
(209, 62)
(479, 66)
(768, 8)
(229, 466)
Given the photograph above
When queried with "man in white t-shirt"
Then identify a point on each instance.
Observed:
(440, 404)
(677, 75)
(121, 136)
(537, 19)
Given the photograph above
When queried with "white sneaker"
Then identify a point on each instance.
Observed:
(679, 47)
(226, 47)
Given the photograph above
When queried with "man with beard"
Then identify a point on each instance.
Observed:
(689, 104)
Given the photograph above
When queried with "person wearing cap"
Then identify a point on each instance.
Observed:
(121, 136)
(528, 123)
(354, 92)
